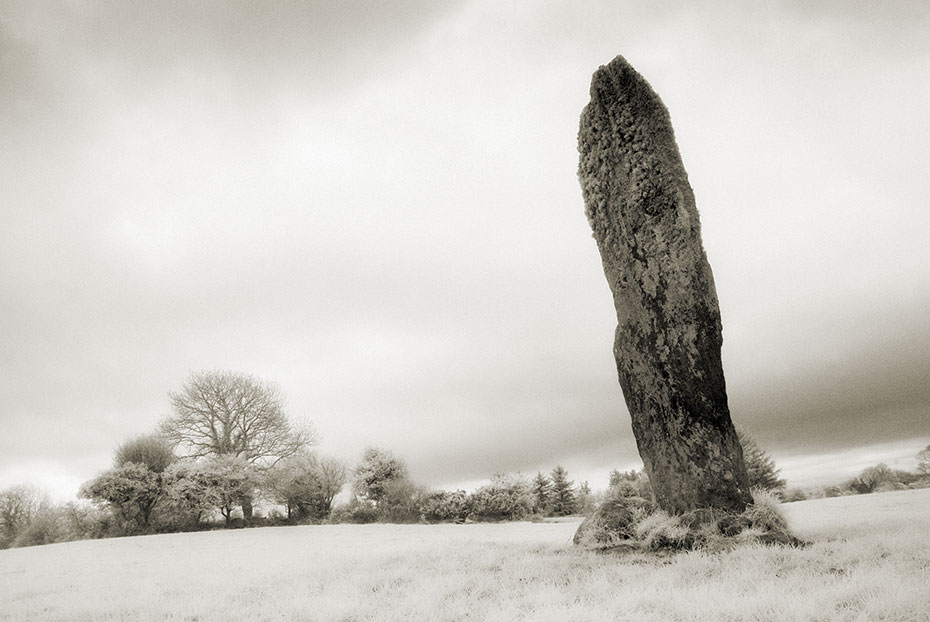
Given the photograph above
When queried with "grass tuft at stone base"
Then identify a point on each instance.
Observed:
(630, 523)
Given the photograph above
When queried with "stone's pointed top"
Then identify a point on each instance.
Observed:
(607, 80)
(617, 66)
(619, 81)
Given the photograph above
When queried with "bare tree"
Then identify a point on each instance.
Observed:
(230, 414)
(333, 476)
(923, 461)
(19, 507)
(222, 413)
(306, 484)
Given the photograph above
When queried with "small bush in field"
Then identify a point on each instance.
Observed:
(443, 506)
(29, 518)
(306, 484)
(631, 483)
(355, 511)
(873, 478)
(614, 522)
(19, 506)
(401, 502)
(84, 521)
(507, 497)
(46, 528)
(131, 491)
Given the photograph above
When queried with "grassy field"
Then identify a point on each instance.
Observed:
(870, 560)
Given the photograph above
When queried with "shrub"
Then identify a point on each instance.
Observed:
(872, 479)
(131, 491)
(585, 502)
(46, 528)
(19, 506)
(445, 506)
(151, 450)
(306, 484)
(196, 488)
(905, 478)
(631, 484)
(355, 511)
(507, 497)
(614, 523)
(34, 520)
(400, 501)
(85, 521)
(191, 495)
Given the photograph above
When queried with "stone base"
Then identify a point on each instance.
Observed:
(633, 524)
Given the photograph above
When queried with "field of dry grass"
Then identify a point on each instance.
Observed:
(870, 560)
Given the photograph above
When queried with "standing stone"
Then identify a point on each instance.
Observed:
(667, 345)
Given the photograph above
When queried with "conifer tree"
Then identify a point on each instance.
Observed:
(563, 497)
(542, 492)
(584, 499)
(759, 465)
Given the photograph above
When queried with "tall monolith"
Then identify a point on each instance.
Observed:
(667, 344)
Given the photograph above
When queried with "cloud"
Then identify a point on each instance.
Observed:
(830, 468)
(376, 206)
(863, 381)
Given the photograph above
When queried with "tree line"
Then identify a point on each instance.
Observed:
(876, 478)
(229, 447)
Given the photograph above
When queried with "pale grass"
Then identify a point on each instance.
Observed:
(870, 560)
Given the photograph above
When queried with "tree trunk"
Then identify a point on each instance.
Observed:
(246, 504)
(667, 344)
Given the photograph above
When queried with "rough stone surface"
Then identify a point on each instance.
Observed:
(667, 345)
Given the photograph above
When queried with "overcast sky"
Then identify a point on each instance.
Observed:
(376, 206)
